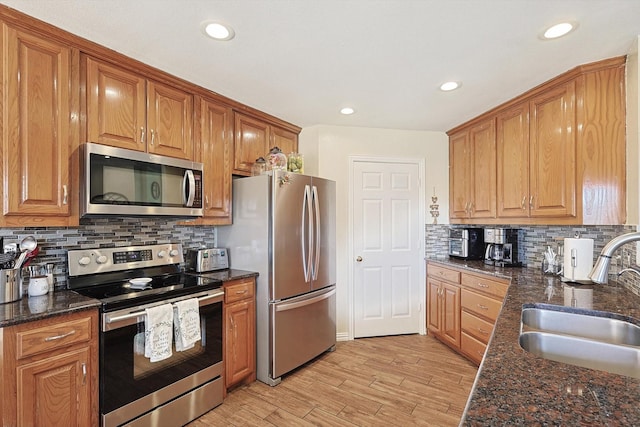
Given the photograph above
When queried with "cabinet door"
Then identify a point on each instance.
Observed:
(169, 121)
(216, 142)
(451, 314)
(482, 163)
(459, 175)
(55, 391)
(553, 153)
(240, 341)
(285, 140)
(116, 106)
(433, 306)
(252, 137)
(512, 143)
(36, 125)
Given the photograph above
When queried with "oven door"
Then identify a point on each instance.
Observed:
(132, 385)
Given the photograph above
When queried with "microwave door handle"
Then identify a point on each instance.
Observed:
(190, 193)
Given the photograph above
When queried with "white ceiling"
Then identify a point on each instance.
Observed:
(302, 60)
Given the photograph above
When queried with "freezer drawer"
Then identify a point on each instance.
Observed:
(301, 329)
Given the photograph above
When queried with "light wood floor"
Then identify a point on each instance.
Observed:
(387, 381)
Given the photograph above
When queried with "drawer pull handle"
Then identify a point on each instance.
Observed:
(483, 307)
(241, 292)
(482, 285)
(59, 337)
(84, 373)
(483, 332)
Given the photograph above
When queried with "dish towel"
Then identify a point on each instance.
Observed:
(158, 336)
(186, 323)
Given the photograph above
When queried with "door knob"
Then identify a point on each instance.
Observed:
(359, 259)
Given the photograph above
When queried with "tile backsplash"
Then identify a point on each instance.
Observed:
(54, 242)
(533, 241)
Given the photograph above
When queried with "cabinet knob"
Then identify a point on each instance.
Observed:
(359, 259)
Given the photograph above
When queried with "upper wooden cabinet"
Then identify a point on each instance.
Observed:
(251, 142)
(254, 138)
(560, 154)
(285, 140)
(36, 130)
(512, 143)
(214, 147)
(552, 153)
(472, 172)
(537, 156)
(126, 110)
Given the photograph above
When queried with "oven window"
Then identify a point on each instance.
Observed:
(126, 375)
(143, 367)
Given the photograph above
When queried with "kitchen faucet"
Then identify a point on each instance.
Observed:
(600, 272)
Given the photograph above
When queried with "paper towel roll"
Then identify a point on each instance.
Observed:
(578, 259)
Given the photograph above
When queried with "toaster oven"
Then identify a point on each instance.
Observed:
(466, 243)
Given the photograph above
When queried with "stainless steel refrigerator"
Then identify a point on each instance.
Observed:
(284, 228)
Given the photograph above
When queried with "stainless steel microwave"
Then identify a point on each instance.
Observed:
(117, 181)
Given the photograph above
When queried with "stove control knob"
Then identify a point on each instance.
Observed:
(85, 260)
(102, 259)
(162, 254)
(173, 252)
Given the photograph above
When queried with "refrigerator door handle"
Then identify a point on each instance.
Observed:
(318, 233)
(297, 304)
(305, 237)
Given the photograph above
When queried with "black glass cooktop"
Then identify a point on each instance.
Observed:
(139, 289)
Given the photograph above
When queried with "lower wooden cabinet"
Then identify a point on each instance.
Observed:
(462, 308)
(443, 313)
(50, 372)
(240, 332)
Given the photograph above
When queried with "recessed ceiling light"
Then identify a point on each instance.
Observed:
(219, 31)
(347, 111)
(558, 30)
(447, 86)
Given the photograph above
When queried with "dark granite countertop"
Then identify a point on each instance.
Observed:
(514, 387)
(29, 309)
(230, 274)
(64, 301)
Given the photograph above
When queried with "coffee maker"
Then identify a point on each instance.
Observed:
(501, 247)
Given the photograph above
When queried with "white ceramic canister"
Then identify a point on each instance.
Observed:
(38, 285)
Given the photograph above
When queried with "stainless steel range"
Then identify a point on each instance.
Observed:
(133, 389)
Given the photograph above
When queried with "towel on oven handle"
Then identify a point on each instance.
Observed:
(158, 332)
(186, 323)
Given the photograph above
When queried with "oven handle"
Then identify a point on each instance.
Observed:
(141, 312)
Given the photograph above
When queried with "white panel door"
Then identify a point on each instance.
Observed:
(388, 253)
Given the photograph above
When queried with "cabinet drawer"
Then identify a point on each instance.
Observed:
(477, 327)
(485, 284)
(443, 273)
(51, 337)
(480, 304)
(472, 347)
(237, 290)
